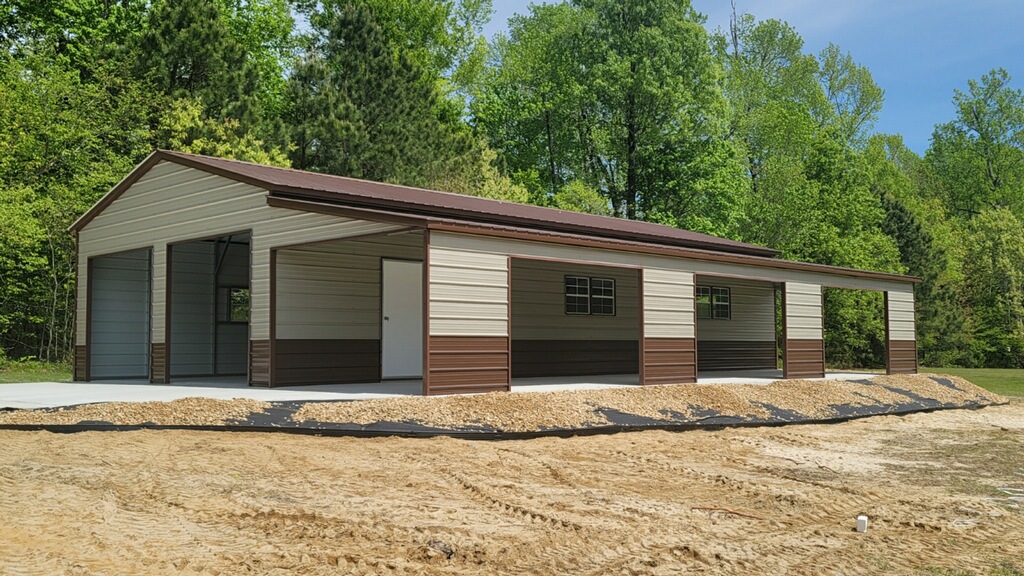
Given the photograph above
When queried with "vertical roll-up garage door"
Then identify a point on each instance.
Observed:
(119, 316)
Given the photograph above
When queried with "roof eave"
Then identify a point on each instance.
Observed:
(358, 201)
(484, 229)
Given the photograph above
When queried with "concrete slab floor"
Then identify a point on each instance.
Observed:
(56, 394)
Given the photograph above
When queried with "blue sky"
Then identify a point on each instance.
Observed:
(918, 51)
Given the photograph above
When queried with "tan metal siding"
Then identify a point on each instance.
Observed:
(259, 293)
(538, 303)
(468, 293)
(159, 273)
(81, 299)
(610, 257)
(332, 291)
(668, 304)
(173, 203)
(803, 311)
(753, 312)
(901, 315)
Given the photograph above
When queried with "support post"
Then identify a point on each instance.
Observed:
(668, 350)
(803, 352)
(160, 315)
(900, 335)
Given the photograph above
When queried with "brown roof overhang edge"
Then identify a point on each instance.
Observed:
(517, 233)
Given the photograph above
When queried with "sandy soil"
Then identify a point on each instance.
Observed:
(944, 492)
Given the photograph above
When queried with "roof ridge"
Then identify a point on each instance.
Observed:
(610, 220)
(354, 179)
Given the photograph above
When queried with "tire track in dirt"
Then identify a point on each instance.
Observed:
(502, 505)
(510, 508)
(784, 500)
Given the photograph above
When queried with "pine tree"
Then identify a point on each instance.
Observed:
(941, 331)
(186, 51)
(360, 107)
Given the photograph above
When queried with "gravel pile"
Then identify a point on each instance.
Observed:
(517, 412)
(185, 412)
(572, 409)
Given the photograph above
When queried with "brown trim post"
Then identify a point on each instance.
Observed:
(426, 314)
(508, 320)
(785, 331)
(88, 319)
(641, 313)
(272, 360)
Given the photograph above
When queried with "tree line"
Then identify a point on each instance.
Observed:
(635, 110)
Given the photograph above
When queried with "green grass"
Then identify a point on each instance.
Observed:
(31, 371)
(1005, 381)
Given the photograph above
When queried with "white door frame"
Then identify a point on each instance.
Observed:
(401, 319)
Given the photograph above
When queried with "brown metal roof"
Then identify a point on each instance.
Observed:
(410, 206)
(290, 183)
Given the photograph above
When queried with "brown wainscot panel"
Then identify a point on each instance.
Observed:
(669, 361)
(259, 362)
(158, 363)
(901, 357)
(804, 359)
(300, 361)
(467, 364)
(736, 355)
(81, 361)
(534, 358)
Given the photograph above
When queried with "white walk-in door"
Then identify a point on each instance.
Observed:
(402, 319)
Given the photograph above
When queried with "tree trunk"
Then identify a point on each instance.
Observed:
(632, 129)
(551, 144)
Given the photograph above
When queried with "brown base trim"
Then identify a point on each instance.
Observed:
(536, 358)
(81, 364)
(803, 359)
(303, 361)
(158, 373)
(669, 361)
(901, 357)
(259, 362)
(467, 364)
(736, 355)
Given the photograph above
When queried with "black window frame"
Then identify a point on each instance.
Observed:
(716, 293)
(714, 306)
(226, 316)
(580, 294)
(603, 298)
(703, 309)
(578, 298)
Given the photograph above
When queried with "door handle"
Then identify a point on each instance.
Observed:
(387, 319)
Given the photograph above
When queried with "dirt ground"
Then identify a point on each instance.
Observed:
(944, 492)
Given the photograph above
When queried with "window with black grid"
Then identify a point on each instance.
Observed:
(721, 303)
(577, 295)
(602, 296)
(703, 302)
